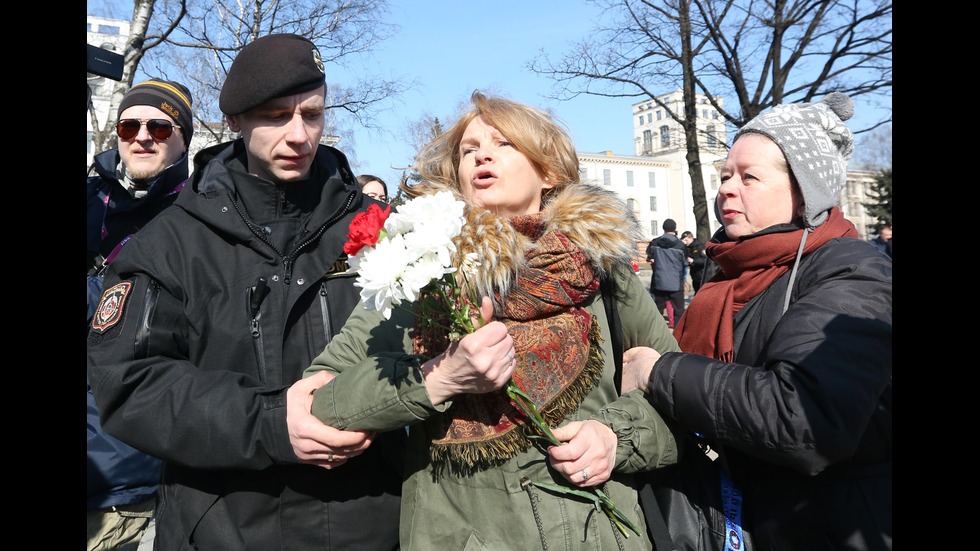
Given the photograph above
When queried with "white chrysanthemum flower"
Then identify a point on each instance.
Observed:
(421, 273)
(441, 209)
(380, 274)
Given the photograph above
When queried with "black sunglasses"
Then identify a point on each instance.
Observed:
(160, 129)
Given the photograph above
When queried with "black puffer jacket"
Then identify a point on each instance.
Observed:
(186, 366)
(804, 417)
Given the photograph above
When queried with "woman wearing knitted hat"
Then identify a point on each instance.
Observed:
(786, 365)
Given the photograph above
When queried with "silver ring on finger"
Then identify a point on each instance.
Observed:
(585, 475)
(509, 357)
(329, 456)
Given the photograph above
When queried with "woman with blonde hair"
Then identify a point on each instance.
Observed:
(554, 259)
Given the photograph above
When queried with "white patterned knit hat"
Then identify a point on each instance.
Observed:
(817, 146)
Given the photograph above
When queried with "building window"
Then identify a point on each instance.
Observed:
(606, 177)
(647, 142)
(629, 178)
(714, 114)
(641, 119)
(89, 145)
(653, 227)
(659, 114)
(664, 136)
(631, 204)
(653, 180)
(714, 181)
(653, 204)
(712, 140)
(649, 117)
(704, 113)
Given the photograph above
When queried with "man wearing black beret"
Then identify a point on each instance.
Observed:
(211, 314)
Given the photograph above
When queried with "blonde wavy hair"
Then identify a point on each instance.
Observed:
(542, 138)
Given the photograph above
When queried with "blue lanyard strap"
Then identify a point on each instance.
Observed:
(731, 498)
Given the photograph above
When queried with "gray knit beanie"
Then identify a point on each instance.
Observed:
(817, 146)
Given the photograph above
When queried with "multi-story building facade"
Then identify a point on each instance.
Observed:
(656, 133)
(643, 182)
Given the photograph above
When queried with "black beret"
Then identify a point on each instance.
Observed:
(170, 97)
(270, 67)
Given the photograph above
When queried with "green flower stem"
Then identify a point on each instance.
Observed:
(601, 502)
(525, 404)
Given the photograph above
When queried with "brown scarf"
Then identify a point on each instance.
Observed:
(558, 358)
(748, 266)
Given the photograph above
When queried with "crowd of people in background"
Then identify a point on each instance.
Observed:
(241, 397)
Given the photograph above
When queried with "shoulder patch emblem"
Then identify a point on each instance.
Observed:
(111, 306)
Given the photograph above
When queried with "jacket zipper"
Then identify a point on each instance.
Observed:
(287, 260)
(325, 313)
(142, 341)
(253, 299)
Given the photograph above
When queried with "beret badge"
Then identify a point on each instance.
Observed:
(317, 60)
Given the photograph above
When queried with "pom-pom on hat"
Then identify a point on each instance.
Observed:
(269, 67)
(170, 97)
(817, 145)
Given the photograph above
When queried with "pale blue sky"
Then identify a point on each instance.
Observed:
(453, 48)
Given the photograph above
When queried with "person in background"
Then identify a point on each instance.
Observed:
(786, 363)
(545, 241)
(128, 186)
(883, 240)
(695, 259)
(214, 309)
(668, 258)
(374, 187)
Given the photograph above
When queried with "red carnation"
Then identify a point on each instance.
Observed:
(365, 229)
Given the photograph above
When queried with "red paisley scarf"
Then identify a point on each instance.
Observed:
(558, 359)
(748, 266)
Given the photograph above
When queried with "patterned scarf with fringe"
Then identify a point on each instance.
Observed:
(558, 357)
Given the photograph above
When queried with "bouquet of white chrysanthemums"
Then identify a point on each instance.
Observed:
(397, 257)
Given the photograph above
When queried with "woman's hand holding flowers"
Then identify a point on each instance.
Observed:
(589, 446)
(480, 362)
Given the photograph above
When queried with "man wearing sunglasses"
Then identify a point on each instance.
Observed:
(213, 311)
(128, 186)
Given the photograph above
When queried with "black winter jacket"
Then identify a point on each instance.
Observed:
(118, 474)
(803, 417)
(112, 213)
(210, 313)
(669, 259)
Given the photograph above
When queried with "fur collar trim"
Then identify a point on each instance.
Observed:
(591, 217)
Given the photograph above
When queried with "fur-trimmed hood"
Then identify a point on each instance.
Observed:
(593, 218)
